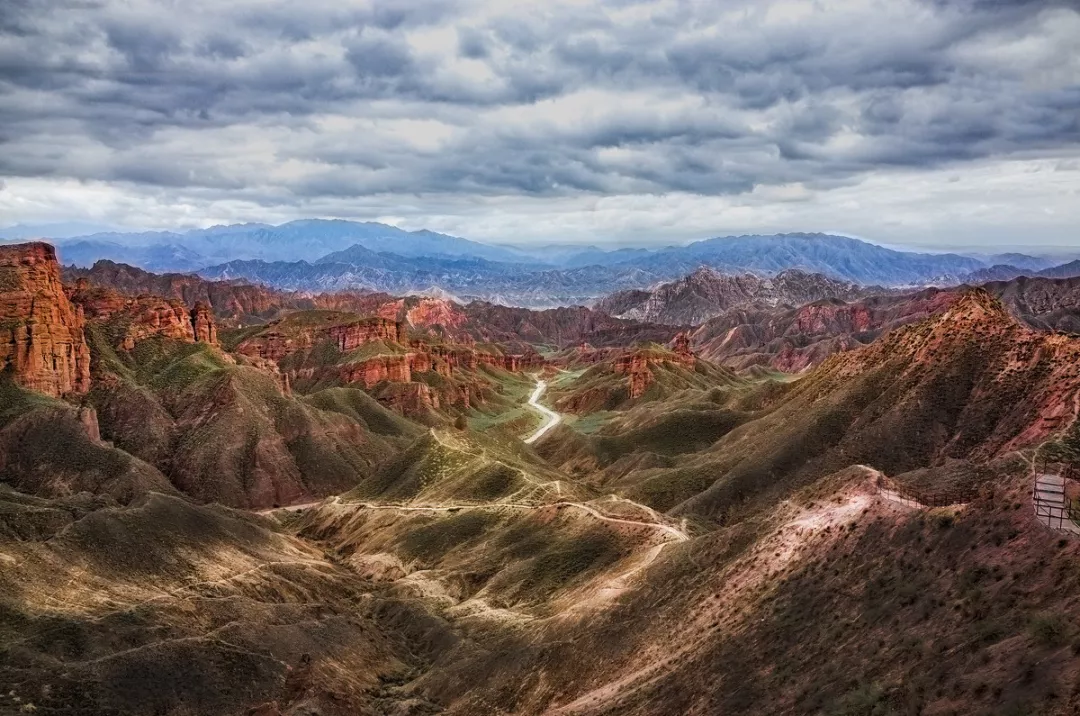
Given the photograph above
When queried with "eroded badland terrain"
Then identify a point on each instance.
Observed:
(790, 497)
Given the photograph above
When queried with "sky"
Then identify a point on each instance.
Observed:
(937, 124)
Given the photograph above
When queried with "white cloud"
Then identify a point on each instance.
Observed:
(919, 122)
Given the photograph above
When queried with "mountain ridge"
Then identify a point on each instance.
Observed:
(707, 293)
(346, 253)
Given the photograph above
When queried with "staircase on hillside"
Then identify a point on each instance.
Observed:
(1051, 507)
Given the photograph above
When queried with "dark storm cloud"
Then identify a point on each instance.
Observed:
(616, 98)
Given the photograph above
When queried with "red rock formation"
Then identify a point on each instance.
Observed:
(636, 367)
(89, 419)
(394, 369)
(455, 357)
(681, 345)
(202, 322)
(271, 346)
(419, 362)
(137, 318)
(351, 336)
(152, 316)
(436, 312)
(231, 300)
(391, 310)
(41, 332)
(410, 399)
(226, 298)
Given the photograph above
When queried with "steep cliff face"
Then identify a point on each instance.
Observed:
(148, 317)
(300, 331)
(368, 373)
(351, 336)
(202, 322)
(129, 320)
(42, 342)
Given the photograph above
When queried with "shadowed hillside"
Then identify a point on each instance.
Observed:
(689, 539)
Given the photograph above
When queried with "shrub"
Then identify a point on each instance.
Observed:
(1047, 629)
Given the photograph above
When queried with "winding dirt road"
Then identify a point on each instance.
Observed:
(553, 418)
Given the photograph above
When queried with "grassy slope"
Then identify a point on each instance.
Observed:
(46, 450)
(166, 607)
(226, 432)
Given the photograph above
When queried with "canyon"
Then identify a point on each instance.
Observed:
(362, 503)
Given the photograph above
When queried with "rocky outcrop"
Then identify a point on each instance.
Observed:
(89, 419)
(409, 398)
(455, 357)
(636, 366)
(392, 368)
(270, 345)
(225, 298)
(681, 346)
(203, 324)
(284, 337)
(156, 317)
(638, 375)
(436, 312)
(133, 319)
(351, 336)
(42, 343)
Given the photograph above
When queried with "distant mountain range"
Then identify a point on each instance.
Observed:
(296, 240)
(706, 293)
(1007, 272)
(325, 255)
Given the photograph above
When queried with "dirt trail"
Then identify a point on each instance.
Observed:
(676, 533)
(783, 546)
(553, 418)
(290, 508)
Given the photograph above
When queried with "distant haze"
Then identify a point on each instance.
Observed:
(928, 124)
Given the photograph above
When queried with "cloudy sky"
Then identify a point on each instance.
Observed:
(932, 123)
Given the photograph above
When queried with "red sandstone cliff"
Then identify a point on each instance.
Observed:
(133, 319)
(351, 336)
(41, 332)
(636, 366)
(202, 323)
